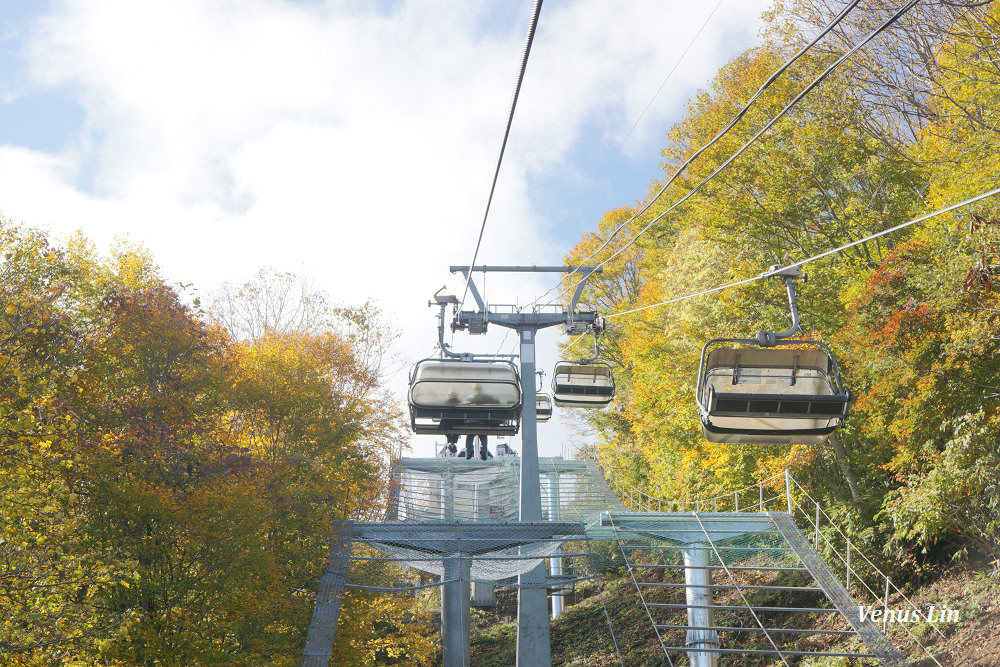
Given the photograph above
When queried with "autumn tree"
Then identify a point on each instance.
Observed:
(49, 579)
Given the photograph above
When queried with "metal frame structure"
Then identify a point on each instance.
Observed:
(533, 647)
(701, 544)
(447, 525)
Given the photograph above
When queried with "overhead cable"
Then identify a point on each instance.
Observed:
(618, 149)
(768, 274)
(895, 17)
(653, 98)
(510, 119)
(739, 115)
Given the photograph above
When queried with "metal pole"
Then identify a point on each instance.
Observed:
(886, 597)
(533, 648)
(448, 497)
(482, 591)
(817, 527)
(698, 578)
(848, 586)
(760, 490)
(455, 615)
(788, 485)
(736, 499)
(555, 563)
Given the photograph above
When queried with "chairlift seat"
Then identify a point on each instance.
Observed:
(543, 408)
(775, 395)
(582, 384)
(457, 397)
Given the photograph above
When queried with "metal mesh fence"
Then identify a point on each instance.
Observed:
(458, 523)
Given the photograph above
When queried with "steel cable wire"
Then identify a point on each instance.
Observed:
(895, 17)
(503, 145)
(739, 115)
(827, 253)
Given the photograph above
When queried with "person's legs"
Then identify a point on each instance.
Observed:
(470, 446)
(482, 447)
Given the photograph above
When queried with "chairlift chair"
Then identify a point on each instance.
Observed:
(450, 396)
(582, 384)
(771, 389)
(543, 402)
(770, 396)
(543, 408)
(588, 383)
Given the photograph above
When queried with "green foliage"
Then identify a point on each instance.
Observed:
(863, 152)
(959, 497)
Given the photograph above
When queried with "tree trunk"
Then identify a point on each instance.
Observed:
(845, 467)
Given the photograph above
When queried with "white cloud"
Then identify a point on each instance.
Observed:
(227, 134)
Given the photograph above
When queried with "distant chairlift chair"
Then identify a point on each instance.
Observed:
(543, 408)
(461, 397)
(588, 383)
(543, 402)
(760, 394)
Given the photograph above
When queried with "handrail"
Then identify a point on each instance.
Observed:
(633, 497)
(636, 495)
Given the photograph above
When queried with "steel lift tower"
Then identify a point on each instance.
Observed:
(532, 607)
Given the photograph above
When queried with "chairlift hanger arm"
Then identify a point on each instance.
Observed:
(443, 302)
(597, 349)
(789, 275)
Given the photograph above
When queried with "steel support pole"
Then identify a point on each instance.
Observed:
(455, 614)
(448, 497)
(555, 563)
(788, 490)
(482, 592)
(533, 649)
(698, 578)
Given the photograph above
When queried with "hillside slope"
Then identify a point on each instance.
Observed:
(580, 637)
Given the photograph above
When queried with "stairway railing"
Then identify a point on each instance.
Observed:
(760, 497)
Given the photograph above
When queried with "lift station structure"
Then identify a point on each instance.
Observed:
(478, 523)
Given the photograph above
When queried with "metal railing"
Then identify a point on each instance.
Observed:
(862, 578)
(757, 497)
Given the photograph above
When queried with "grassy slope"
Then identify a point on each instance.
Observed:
(580, 637)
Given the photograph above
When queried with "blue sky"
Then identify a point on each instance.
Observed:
(351, 139)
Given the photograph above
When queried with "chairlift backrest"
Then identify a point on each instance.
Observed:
(772, 395)
(455, 397)
(482, 384)
(578, 384)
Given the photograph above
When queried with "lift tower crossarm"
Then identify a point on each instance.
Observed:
(466, 318)
(527, 269)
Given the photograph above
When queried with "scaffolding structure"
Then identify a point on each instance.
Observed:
(711, 583)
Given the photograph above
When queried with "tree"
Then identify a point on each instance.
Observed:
(49, 579)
